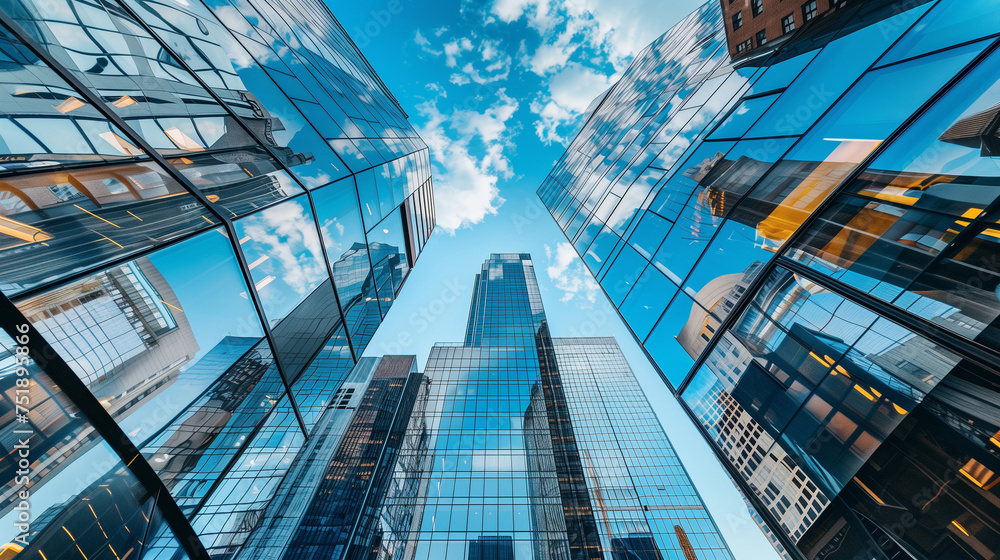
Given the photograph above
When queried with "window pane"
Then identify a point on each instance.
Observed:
(343, 234)
(647, 301)
(741, 119)
(230, 70)
(88, 217)
(829, 74)
(815, 382)
(622, 275)
(950, 22)
(73, 477)
(179, 363)
(281, 246)
(388, 251)
(922, 199)
(673, 356)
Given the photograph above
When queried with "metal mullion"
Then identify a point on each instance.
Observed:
(972, 230)
(267, 72)
(823, 206)
(274, 155)
(72, 165)
(149, 524)
(69, 279)
(333, 281)
(966, 232)
(141, 143)
(770, 266)
(307, 65)
(239, 454)
(77, 392)
(168, 168)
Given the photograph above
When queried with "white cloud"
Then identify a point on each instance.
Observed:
(542, 15)
(465, 183)
(454, 49)
(569, 274)
(494, 72)
(425, 44)
(585, 45)
(509, 10)
(570, 92)
(489, 49)
(287, 236)
(618, 28)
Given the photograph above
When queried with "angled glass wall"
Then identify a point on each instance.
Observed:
(193, 197)
(803, 239)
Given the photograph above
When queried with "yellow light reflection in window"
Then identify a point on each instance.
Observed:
(183, 141)
(70, 104)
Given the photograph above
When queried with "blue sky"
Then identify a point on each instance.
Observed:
(497, 88)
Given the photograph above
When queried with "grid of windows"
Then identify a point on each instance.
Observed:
(642, 495)
(813, 283)
(512, 418)
(208, 208)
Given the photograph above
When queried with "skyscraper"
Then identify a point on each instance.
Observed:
(801, 238)
(206, 209)
(540, 447)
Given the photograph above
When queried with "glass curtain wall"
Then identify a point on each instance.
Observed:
(192, 204)
(802, 240)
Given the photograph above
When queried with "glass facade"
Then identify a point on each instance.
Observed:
(804, 240)
(328, 505)
(206, 209)
(537, 448)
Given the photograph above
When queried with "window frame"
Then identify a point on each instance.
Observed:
(810, 10)
(788, 24)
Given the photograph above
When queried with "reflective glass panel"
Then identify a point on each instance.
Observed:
(172, 347)
(922, 202)
(950, 23)
(281, 247)
(59, 222)
(829, 74)
(64, 489)
(225, 65)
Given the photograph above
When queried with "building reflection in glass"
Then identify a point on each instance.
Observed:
(154, 169)
(812, 265)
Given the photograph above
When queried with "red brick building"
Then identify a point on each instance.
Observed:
(753, 23)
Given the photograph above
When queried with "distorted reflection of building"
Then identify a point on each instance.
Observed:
(636, 547)
(115, 501)
(206, 210)
(804, 249)
(712, 304)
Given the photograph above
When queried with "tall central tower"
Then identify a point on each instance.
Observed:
(542, 448)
